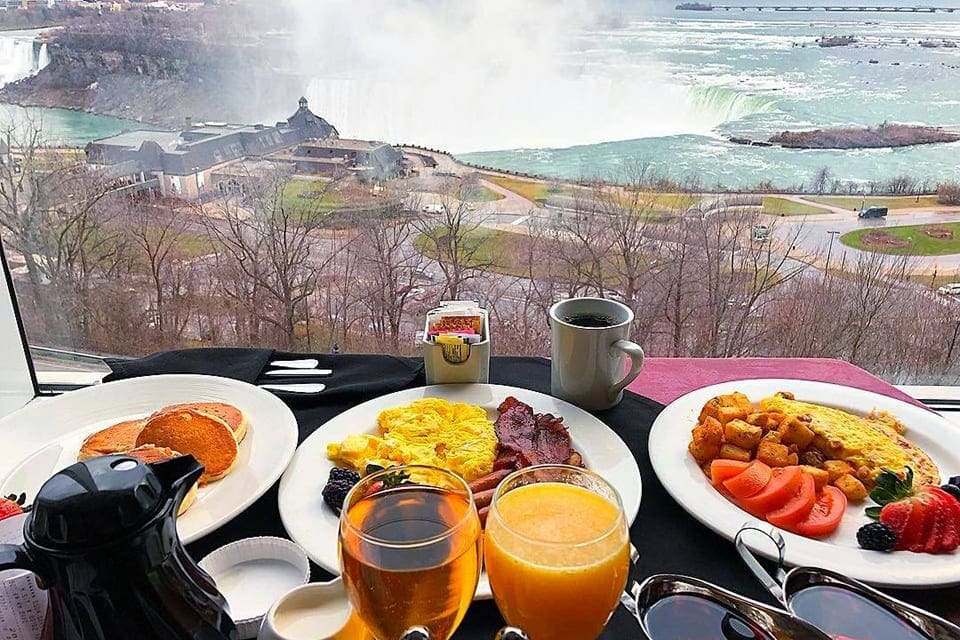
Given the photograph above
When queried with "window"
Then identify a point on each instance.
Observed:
(751, 183)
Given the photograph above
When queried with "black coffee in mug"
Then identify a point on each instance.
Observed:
(590, 320)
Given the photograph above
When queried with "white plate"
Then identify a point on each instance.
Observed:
(313, 525)
(688, 485)
(45, 436)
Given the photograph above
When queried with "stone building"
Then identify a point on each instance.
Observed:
(181, 163)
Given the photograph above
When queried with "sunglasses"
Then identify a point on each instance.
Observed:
(817, 605)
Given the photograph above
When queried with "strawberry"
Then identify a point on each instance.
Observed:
(951, 536)
(9, 508)
(949, 515)
(934, 540)
(896, 515)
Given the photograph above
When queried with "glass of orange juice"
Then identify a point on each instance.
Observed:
(557, 551)
(410, 550)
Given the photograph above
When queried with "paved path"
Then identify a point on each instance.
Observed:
(812, 234)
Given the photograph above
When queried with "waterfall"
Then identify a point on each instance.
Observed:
(43, 57)
(20, 56)
(724, 104)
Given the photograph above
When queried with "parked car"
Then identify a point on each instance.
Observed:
(951, 289)
(873, 212)
(432, 208)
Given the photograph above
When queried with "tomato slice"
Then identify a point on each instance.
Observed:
(825, 515)
(750, 481)
(783, 485)
(721, 470)
(798, 507)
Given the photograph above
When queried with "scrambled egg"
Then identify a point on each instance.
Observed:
(430, 431)
(874, 442)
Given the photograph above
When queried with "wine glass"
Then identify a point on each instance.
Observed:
(410, 550)
(557, 551)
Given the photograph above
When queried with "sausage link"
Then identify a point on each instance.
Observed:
(489, 481)
(484, 498)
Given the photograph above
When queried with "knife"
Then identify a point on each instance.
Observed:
(308, 363)
(299, 372)
(303, 389)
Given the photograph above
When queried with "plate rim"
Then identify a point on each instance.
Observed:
(289, 421)
(632, 511)
(661, 432)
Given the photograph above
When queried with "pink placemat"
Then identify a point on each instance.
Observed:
(666, 379)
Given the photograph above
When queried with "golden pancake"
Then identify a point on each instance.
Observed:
(150, 454)
(204, 436)
(117, 438)
(234, 417)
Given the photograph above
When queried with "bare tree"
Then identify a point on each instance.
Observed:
(821, 179)
(53, 213)
(270, 252)
(390, 265)
(458, 242)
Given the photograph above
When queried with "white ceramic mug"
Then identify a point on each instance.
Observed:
(587, 361)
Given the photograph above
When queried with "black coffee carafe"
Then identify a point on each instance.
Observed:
(102, 539)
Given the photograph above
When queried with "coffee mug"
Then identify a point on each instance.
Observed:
(588, 349)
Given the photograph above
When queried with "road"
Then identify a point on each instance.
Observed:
(813, 234)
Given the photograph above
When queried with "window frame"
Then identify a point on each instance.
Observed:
(18, 378)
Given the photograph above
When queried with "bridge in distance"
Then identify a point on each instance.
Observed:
(856, 8)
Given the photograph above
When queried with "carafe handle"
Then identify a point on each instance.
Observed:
(14, 556)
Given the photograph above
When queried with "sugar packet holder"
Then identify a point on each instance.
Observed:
(456, 355)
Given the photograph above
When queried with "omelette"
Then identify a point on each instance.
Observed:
(875, 442)
(431, 431)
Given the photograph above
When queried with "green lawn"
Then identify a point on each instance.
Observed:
(479, 194)
(193, 245)
(310, 195)
(775, 206)
(920, 244)
(539, 190)
(494, 248)
(891, 202)
(531, 190)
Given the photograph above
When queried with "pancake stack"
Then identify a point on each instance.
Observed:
(209, 431)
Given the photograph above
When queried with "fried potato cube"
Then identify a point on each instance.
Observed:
(742, 401)
(774, 419)
(757, 418)
(728, 413)
(820, 477)
(851, 487)
(773, 454)
(837, 468)
(706, 440)
(742, 434)
(793, 431)
(733, 452)
(710, 410)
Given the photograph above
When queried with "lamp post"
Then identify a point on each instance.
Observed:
(833, 234)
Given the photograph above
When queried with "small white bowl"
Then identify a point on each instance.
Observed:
(252, 573)
(315, 611)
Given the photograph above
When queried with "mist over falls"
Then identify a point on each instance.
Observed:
(469, 76)
(21, 55)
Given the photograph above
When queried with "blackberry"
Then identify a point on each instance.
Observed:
(876, 536)
(338, 486)
(952, 489)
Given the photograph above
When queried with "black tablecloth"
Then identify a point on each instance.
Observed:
(669, 540)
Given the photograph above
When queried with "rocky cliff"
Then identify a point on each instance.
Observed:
(132, 67)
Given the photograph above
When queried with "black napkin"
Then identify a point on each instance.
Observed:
(240, 364)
